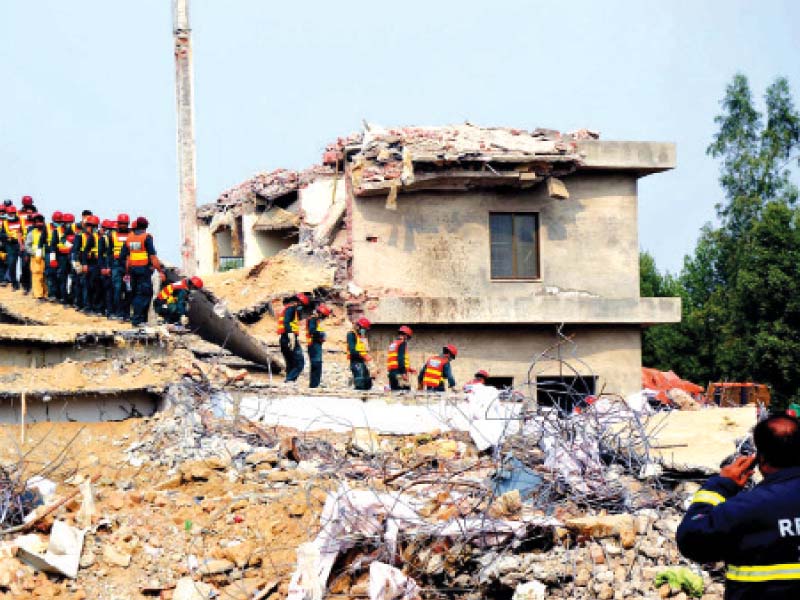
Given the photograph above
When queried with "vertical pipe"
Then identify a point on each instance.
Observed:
(184, 95)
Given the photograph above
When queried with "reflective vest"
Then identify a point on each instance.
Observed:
(93, 252)
(51, 229)
(361, 348)
(167, 293)
(309, 337)
(295, 323)
(37, 237)
(281, 314)
(432, 377)
(13, 229)
(137, 247)
(118, 240)
(66, 241)
(392, 357)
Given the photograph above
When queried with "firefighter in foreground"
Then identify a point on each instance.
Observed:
(172, 302)
(315, 337)
(437, 369)
(358, 355)
(397, 363)
(757, 532)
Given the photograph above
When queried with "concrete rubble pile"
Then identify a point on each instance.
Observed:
(199, 501)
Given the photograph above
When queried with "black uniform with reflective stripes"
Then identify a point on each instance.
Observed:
(756, 533)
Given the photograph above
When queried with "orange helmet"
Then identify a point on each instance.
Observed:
(324, 310)
(364, 322)
(406, 330)
(123, 218)
(451, 350)
(197, 282)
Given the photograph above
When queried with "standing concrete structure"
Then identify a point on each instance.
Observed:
(184, 95)
(494, 239)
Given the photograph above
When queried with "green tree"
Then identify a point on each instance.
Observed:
(741, 319)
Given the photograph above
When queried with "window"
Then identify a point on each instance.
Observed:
(515, 245)
(564, 392)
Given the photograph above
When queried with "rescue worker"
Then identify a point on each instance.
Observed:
(77, 278)
(397, 362)
(290, 338)
(120, 295)
(106, 229)
(358, 354)
(3, 257)
(479, 378)
(437, 369)
(35, 248)
(315, 337)
(172, 302)
(14, 242)
(51, 255)
(26, 213)
(90, 262)
(757, 532)
(139, 255)
(64, 245)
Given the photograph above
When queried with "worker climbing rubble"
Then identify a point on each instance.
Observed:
(172, 302)
(315, 337)
(397, 361)
(358, 355)
(437, 369)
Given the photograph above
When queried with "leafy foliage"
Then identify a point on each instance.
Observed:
(741, 308)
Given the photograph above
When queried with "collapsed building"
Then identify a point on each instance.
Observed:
(493, 239)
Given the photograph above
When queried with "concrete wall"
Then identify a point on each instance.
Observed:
(259, 245)
(88, 408)
(611, 353)
(205, 250)
(28, 354)
(317, 198)
(438, 243)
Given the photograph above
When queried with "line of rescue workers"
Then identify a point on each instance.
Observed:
(99, 267)
(434, 374)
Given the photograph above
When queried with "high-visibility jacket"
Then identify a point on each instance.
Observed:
(433, 375)
(36, 234)
(52, 231)
(292, 315)
(137, 248)
(66, 239)
(118, 240)
(14, 230)
(358, 348)
(393, 356)
(756, 533)
(281, 326)
(167, 293)
(318, 333)
(94, 251)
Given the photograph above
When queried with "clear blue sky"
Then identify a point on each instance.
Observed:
(87, 101)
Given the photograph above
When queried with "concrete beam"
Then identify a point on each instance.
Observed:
(643, 157)
(533, 310)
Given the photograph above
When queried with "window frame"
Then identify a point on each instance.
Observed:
(538, 245)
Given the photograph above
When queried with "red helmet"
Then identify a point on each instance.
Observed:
(324, 310)
(57, 216)
(303, 299)
(11, 210)
(27, 201)
(197, 282)
(364, 322)
(68, 218)
(406, 330)
(141, 223)
(482, 374)
(123, 218)
(106, 224)
(93, 220)
(451, 349)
